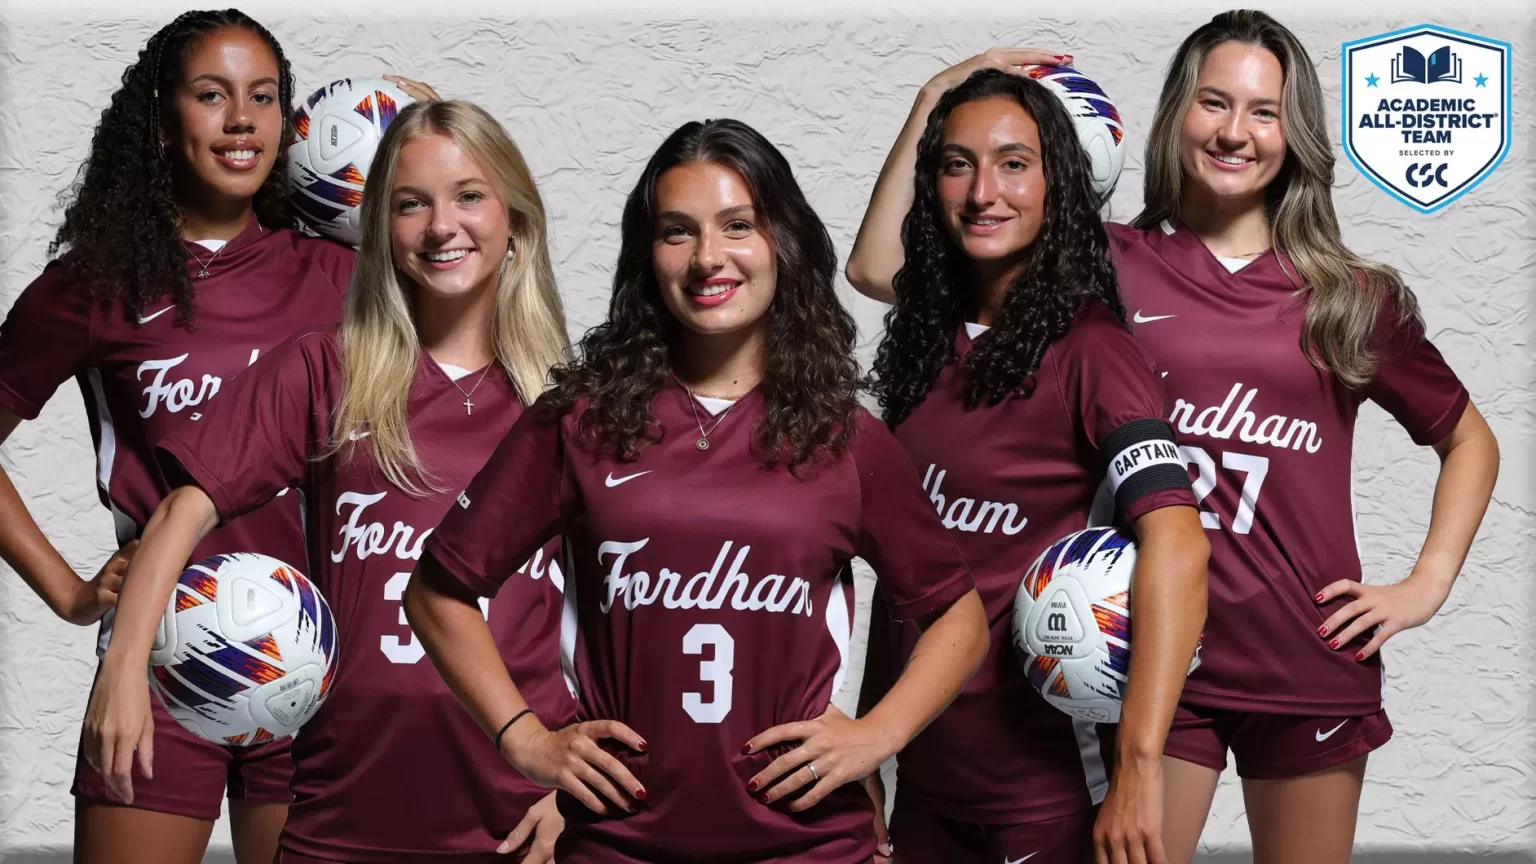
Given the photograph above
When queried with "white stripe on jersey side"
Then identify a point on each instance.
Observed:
(1102, 512)
(106, 453)
(106, 457)
(568, 623)
(1089, 748)
(839, 626)
(1090, 751)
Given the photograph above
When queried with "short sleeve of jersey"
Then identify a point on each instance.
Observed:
(334, 259)
(1412, 381)
(1113, 394)
(260, 435)
(45, 341)
(513, 506)
(917, 565)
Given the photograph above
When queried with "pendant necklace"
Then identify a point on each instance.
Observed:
(703, 442)
(202, 266)
(469, 405)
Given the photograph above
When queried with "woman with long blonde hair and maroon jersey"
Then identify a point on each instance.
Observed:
(712, 475)
(180, 267)
(451, 326)
(1271, 334)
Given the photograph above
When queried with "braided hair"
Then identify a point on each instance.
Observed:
(122, 224)
(935, 287)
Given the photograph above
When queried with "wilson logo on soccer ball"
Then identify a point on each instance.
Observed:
(1072, 623)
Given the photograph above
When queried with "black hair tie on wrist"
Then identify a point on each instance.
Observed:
(516, 717)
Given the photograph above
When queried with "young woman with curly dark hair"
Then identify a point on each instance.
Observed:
(1009, 375)
(178, 268)
(712, 476)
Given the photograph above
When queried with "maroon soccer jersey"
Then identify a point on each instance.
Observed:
(1268, 440)
(711, 600)
(140, 379)
(1008, 481)
(392, 768)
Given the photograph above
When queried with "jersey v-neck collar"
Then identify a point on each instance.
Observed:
(1192, 251)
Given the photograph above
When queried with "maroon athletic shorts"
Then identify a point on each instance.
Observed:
(191, 775)
(1272, 746)
(921, 836)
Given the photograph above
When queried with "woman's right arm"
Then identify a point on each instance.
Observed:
(877, 252)
(40, 565)
(513, 506)
(117, 721)
(446, 618)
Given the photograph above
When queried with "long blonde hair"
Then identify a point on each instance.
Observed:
(1345, 290)
(379, 343)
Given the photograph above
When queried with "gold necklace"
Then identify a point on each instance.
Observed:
(693, 405)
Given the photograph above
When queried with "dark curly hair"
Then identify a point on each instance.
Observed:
(122, 223)
(1068, 265)
(810, 380)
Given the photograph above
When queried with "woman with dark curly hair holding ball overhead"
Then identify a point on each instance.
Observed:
(176, 267)
(1009, 375)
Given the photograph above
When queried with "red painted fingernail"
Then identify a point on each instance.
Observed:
(1319, 597)
(1333, 644)
(1323, 630)
(752, 786)
(640, 792)
(1360, 656)
(644, 747)
(746, 749)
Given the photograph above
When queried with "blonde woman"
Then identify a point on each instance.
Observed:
(1271, 333)
(451, 325)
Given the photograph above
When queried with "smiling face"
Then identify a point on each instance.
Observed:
(712, 255)
(449, 229)
(1232, 143)
(226, 121)
(991, 182)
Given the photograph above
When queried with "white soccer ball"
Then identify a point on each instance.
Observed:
(1072, 623)
(336, 132)
(246, 651)
(1098, 120)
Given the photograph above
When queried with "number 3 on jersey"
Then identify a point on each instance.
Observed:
(716, 671)
(1254, 469)
(409, 650)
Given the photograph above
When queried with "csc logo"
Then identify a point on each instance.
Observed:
(1421, 175)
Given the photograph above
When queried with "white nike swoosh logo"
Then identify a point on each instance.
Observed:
(145, 319)
(620, 481)
(1324, 736)
(1144, 319)
(1007, 860)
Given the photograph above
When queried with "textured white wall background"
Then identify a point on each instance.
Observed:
(589, 96)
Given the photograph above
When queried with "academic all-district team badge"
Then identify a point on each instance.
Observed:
(1426, 111)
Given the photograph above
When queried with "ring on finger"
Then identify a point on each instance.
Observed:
(814, 775)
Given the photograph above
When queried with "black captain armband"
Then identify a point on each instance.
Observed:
(1143, 459)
